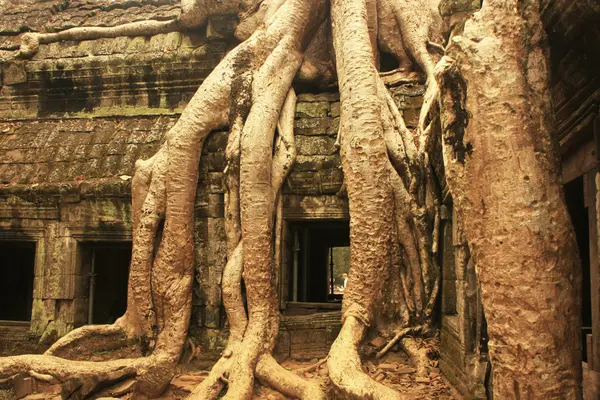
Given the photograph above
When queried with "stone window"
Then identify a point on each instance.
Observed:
(574, 196)
(17, 260)
(105, 267)
(319, 255)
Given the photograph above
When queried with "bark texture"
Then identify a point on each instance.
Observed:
(503, 172)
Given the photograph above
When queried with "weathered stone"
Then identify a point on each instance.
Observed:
(404, 102)
(334, 126)
(312, 146)
(216, 205)
(408, 89)
(411, 117)
(23, 386)
(335, 109)
(217, 141)
(330, 97)
(311, 126)
(312, 109)
(449, 7)
(316, 163)
(14, 72)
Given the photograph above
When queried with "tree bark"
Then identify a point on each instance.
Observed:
(503, 172)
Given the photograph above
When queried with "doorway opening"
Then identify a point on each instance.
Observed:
(107, 266)
(574, 196)
(17, 260)
(320, 254)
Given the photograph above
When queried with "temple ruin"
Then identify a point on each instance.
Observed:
(77, 115)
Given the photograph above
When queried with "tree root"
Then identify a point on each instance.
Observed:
(417, 355)
(312, 367)
(287, 382)
(30, 42)
(87, 340)
(400, 335)
(345, 368)
(83, 377)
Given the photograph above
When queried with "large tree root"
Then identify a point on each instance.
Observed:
(30, 42)
(345, 367)
(78, 378)
(253, 186)
(89, 339)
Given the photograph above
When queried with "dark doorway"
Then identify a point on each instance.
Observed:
(17, 261)
(107, 265)
(574, 196)
(320, 258)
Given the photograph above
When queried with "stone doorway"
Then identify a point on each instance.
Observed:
(17, 260)
(107, 266)
(320, 255)
(578, 210)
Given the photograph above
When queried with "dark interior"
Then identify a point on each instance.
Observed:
(315, 240)
(17, 261)
(111, 273)
(574, 196)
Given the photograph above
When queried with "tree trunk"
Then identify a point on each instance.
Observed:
(503, 172)
(366, 174)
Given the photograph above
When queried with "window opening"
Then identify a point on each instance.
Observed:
(574, 196)
(320, 261)
(17, 260)
(107, 266)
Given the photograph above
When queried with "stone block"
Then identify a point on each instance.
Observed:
(405, 102)
(198, 314)
(334, 126)
(411, 117)
(330, 97)
(192, 40)
(334, 110)
(409, 89)
(449, 7)
(311, 146)
(23, 386)
(331, 180)
(212, 317)
(282, 346)
(308, 343)
(38, 287)
(216, 141)
(216, 205)
(215, 161)
(311, 126)
(14, 72)
(315, 109)
(59, 286)
(303, 183)
(215, 182)
(316, 163)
